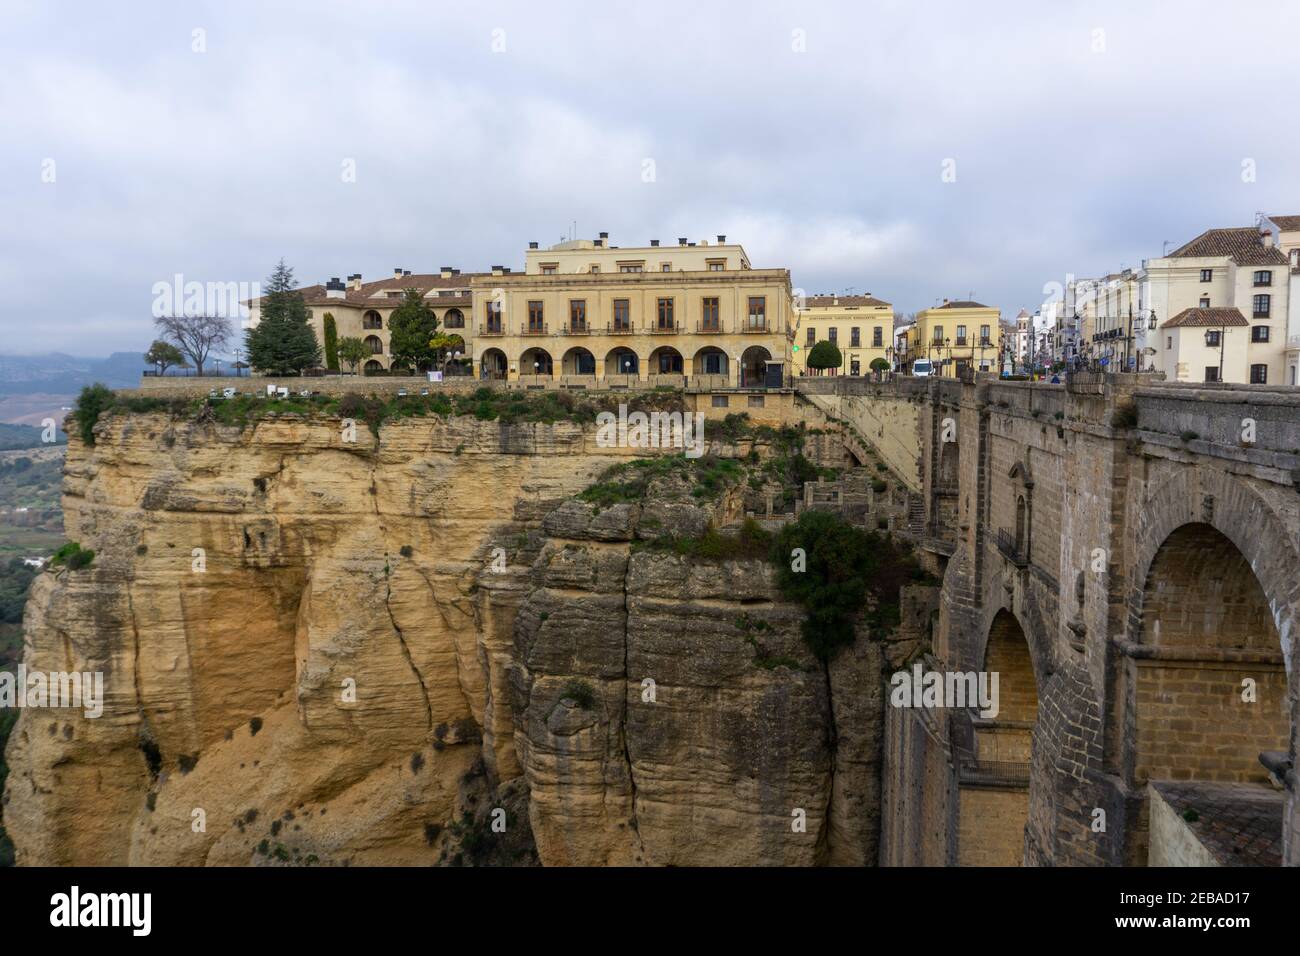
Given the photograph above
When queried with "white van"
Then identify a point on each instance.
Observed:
(922, 368)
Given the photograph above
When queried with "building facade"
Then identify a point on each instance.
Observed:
(361, 309)
(861, 326)
(956, 335)
(585, 313)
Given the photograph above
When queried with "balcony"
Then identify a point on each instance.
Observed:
(961, 342)
(708, 328)
(1260, 315)
(758, 327)
(665, 329)
(619, 329)
(1011, 549)
(576, 329)
(491, 328)
(534, 329)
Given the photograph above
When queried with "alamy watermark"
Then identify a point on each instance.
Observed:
(53, 689)
(943, 689)
(684, 430)
(193, 298)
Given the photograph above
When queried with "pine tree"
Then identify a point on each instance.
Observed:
(410, 329)
(283, 341)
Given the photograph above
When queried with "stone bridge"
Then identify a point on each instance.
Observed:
(1125, 554)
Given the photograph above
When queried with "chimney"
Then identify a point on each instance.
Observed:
(604, 235)
(446, 271)
(599, 243)
(498, 270)
(397, 272)
(354, 281)
(406, 272)
(335, 289)
(1266, 237)
(681, 240)
(654, 243)
(532, 245)
(722, 239)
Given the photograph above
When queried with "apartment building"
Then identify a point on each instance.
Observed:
(361, 309)
(585, 313)
(861, 326)
(1231, 287)
(956, 335)
(1286, 237)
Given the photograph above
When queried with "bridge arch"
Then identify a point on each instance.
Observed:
(1208, 677)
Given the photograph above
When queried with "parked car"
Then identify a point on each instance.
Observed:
(922, 368)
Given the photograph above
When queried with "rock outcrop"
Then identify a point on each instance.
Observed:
(384, 651)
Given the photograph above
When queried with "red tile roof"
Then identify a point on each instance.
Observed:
(1241, 245)
(1206, 318)
(1286, 223)
(843, 301)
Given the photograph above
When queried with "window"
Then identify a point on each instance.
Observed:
(665, 313)
(1205, 302)
(494, 316)
(717, 266)
(454, 319)
(1169, 341)
(595, 269)
(1207, 275)
(877, 337)
(1264, 277)
(721, 401)
(535, 317)
(548, 270)
(961, 335)
(855, 337)
(622, 316)
(756, 401)
(715, 363)
(757, 312)
(1211, 373)
(375, 345)
(709, 314)
(578, 315)
(938, 335)
(984, 335)
(1212, 338)
(812, 336)
(1259, 333)
(630, 267)
(1259, 375)
(1260, 305)
(834, 334)
(666, 267)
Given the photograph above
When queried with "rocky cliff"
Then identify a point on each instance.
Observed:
(326, 652)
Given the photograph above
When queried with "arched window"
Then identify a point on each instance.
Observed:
(1022, 524)
(454, 319)
(375, 344)
(371, 320)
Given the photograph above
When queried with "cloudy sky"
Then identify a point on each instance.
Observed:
(1082, 137)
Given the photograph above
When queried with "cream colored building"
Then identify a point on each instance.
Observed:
(861, 326)
(361, 309)
(1286, 233)
(956, 335)
(584, 313)
(1240, 269)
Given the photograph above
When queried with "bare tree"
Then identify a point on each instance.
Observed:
(195, 335)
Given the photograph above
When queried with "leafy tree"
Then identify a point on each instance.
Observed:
(443, 344)
(197, 336)
(825, 354)
(880, 365)
(331, 343)
(283, 341)
(93, 400)
(411, 328)
(353, 351)
(163, 355)
(849, 572)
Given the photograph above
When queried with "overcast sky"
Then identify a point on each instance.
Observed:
(1082, 136)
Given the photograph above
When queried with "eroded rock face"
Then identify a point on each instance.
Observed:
(316, 651)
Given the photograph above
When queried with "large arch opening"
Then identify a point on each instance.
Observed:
(535, 361)
(1209, 692)
(666, 360)
(753, 366)
(622, 361)
(492, 364)
(578, 361)
(709, 360)
(994, 799)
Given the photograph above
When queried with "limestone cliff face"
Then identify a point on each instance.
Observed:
(340, 652)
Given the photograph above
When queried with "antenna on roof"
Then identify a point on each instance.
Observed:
(1164, 248)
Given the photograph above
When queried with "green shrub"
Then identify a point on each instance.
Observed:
(72, 557)
(91, 403)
